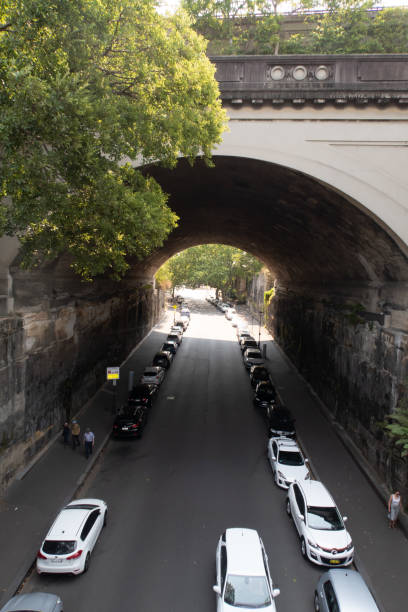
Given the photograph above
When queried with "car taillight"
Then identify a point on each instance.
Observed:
(75, 555)
(40, 555)
(144, 399)
(134, 426)
(115, 427)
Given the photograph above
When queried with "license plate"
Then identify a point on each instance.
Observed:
(125, 428)
(334, 561)
(58, 560)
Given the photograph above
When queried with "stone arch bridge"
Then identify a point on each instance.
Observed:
(312, 178)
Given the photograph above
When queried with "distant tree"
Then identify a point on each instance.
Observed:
(86, 84)
(217, 265)
(350, 26)
(239, 26)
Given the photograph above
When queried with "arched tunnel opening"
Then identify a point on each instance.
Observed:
(340, 281)
(339, 309)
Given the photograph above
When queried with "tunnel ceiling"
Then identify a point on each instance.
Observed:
(302, 230)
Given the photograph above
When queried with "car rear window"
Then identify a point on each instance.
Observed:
(59, 547)
(150, 373)
(254, 354)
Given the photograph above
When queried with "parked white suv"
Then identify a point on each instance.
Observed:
(287, 461)
(68, 545)
(243, 578)
(323, 536)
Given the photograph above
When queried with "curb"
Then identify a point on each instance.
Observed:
(376, 484)
(26, 567)
(23, 473)
(29, 565)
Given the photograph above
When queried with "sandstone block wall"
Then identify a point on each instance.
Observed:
(355, 361)
(53, 359)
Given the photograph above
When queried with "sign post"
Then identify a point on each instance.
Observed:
(113, 374)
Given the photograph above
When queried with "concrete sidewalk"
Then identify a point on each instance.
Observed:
(33, 500)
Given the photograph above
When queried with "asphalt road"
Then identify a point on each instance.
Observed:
(200, 467)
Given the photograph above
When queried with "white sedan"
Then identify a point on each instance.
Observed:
(324, 540)
(287, 461)
(69, 543)
(153, 375)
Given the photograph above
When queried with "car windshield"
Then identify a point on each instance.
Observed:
(150, 373)
(327, 519)
(290, 458)
(254, 355)
(59, 547)
(247, 591)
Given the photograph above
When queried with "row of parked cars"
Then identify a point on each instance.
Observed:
(243, 578)
(69, 543)
(132, 417)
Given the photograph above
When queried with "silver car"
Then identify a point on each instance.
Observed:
(343, 590)
(46, 602)
(153, 375)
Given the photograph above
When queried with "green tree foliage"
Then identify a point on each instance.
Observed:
(237, 26)
(216, 265)
(350, 26)
(399, 427)
(85, 85)
(337, 26)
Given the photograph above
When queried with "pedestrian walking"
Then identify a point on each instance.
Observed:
(394, 506)
(89, 441)
(66, 432)
(75, 431)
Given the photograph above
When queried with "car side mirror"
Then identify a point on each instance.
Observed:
(301, 517)
(217, 589)
(306, 460)
(275, 593)
(345, 518)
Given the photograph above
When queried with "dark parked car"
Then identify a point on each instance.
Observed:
(169, 346)
(130, 422)
(265, 394)
(280, 422)
(163, 359)
(182, 322)
(142, 394)
(175, 337)
(258, 374)
(248, 343)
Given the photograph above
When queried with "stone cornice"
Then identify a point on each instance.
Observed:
(313, 79)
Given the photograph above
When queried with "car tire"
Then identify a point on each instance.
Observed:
(316, 602)
(87, 562)
(303, 548)
(105, 518)
(288, 510)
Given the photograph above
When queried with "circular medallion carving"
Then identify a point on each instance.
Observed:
(277, 73)
(299, 73)
(322, 73)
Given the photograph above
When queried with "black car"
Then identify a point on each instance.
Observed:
(169, 346)
(163, 359)
(130, 422)
(258, 374)
(265, 394)
(142, 394)
(280, 422)
(248, 343)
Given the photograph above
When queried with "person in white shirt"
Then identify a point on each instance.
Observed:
(89, 441)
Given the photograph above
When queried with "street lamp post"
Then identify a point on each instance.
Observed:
(259, 328)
